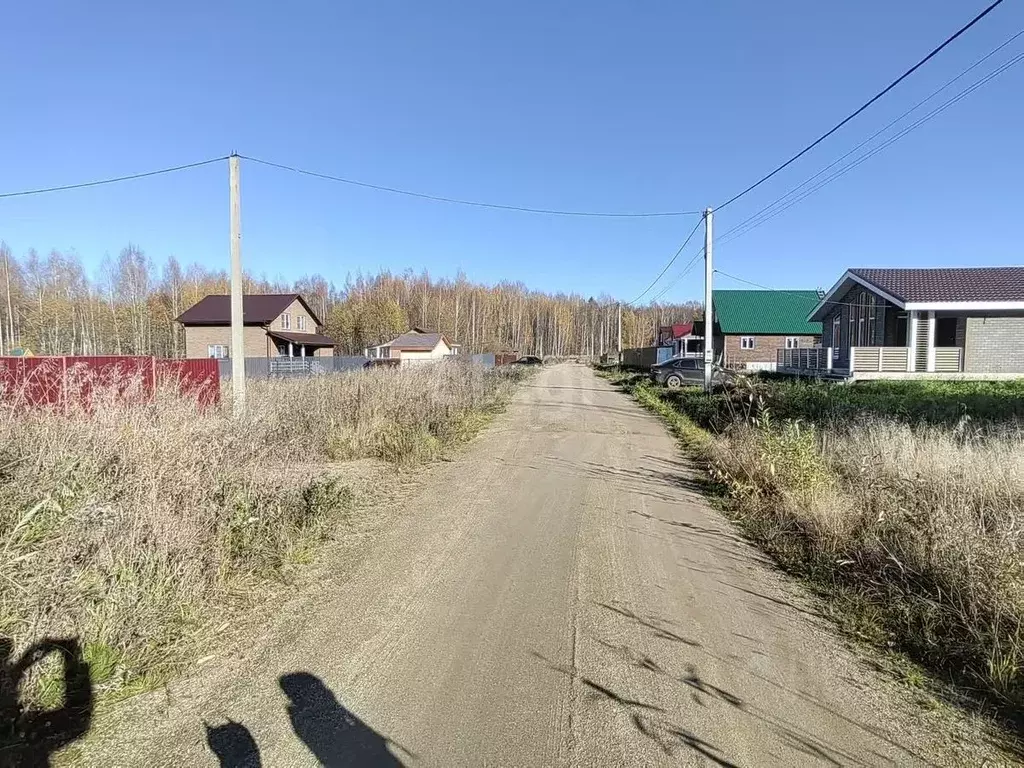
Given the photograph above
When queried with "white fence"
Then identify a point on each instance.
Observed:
(806, 359)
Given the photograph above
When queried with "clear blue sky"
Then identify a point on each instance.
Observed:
(596, 105)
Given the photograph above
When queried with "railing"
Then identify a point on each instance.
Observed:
(879, 359)
(948, 359)
(808, 359)
(898, 360)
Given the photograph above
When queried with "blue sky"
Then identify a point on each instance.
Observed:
(583, 105)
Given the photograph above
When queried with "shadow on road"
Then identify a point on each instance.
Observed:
(336, 737)
(233, 745)
(30, 735)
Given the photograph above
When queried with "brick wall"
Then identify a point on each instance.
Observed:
(294, 310)
(763, 351)
(994, 344)
(199, 337)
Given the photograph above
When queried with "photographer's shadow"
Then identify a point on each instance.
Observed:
(29, 735)
(335, 736)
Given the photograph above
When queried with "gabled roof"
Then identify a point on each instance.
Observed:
(775, 313)
(951, 288)
(257, 309)
(418, 340)
(675, 331)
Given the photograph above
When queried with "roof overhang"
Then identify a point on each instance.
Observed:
(818, 313)
(849, 278)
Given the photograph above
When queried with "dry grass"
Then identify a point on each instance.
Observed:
(921, 527)
(131, 527)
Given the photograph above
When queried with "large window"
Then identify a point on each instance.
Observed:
(286, 321)
(218, 351)
(748, 342)
(872, 320)
(792, 342)
(300, 322)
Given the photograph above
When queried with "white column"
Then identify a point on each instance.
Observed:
(912, 342)
(291, 350)
(931, 341)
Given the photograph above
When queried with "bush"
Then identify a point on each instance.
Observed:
(133, 526)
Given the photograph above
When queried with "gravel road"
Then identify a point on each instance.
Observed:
(558, 595)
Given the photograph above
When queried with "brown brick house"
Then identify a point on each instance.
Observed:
(274, 325)
(751, 326)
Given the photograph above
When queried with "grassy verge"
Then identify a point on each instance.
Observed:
(910, 531)
(135, 528)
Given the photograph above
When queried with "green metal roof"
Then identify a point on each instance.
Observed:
(781, 313)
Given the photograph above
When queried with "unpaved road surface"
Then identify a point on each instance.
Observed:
(559, 595)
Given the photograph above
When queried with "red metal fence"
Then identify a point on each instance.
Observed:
(59, 381)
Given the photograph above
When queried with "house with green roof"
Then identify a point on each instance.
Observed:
(752, 325)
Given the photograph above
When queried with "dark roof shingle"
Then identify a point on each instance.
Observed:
(416, 340)
(257, 309)
(313, 339)
(948, 283)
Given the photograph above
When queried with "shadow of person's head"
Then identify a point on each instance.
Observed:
(307, 691)
(335, 735)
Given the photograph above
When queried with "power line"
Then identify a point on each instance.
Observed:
(114, 180)
(686, 270)
(750, 223)
(474, 203)
(871, 138)
(784, 290)
(864, 106)
(670, 263)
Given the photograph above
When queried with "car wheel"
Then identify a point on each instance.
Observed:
(673, 382)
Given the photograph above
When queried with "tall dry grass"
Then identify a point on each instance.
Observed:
(922, 528)
(133, 526)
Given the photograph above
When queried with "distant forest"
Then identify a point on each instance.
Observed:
(51, 306)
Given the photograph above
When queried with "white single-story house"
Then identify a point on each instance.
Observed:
(414, 346)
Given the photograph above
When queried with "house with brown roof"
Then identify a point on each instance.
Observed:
(414, 346)
(274, 325)
(955, 323)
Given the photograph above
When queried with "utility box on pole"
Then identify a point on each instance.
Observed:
(237, 319)
(709, 310)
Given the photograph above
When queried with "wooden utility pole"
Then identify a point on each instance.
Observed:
(237, 327)
(709, 310)
(619, 345)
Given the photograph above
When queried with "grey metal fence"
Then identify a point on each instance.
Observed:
(273, 367)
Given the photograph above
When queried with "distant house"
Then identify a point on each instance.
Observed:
(685, 339)
(274, 325)
(414, 346)
(751, 326)
(965, 322)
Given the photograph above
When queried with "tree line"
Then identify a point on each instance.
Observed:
(52, 306)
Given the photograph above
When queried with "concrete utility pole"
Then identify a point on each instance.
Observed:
(709, 310)
(619, 345)
(237, 332)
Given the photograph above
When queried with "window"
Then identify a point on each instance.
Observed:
(286, 321)
(687, 365)
(218, 351)
(792, 342)
(837, 331)
(748, 342)
(300, 321)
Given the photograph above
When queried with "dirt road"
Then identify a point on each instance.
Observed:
(559, 595)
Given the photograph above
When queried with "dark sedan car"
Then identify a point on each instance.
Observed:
(528, 360)
(679, 372)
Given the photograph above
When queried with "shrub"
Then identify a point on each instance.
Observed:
(132, 526)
